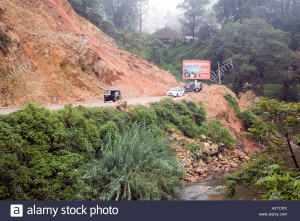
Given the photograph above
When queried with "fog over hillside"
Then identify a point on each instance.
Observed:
(162, 13)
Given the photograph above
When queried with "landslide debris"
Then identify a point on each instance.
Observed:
(72, 60)
(209, 160)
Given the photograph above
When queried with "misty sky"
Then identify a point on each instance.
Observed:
(162, 13)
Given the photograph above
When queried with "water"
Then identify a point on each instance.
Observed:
(213, 189)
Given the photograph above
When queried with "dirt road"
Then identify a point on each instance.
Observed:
(133, 101)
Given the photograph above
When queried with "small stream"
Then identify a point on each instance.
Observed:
(212, 189)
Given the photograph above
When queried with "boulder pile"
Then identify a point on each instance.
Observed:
(209, 160)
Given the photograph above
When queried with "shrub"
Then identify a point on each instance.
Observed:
(81, 136)
(162, 113)
(185, 116)
(39, 127)
(194, 148)
(232, 102)
(34, 163)
(181, 109)
(273, 91)
(248, 118)
(137, 166)
(198, 112)
(217, 133)
(297, 140)
(110, 129)
(280, 185)
(144, 115)
(266, 171)
(188, 127)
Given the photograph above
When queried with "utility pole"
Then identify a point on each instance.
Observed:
(219, 73)
(141, 23)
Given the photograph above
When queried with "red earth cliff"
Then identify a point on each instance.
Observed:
(68, 58)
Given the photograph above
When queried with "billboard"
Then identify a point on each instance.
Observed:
(196, 70)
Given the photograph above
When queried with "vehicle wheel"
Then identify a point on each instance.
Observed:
(177, 95)
(105, 100)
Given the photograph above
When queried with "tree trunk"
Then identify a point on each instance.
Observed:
(282, 8)
(193, 31)
(292, 152)
(140, 36)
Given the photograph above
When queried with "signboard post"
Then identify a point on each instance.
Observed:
(196, 70)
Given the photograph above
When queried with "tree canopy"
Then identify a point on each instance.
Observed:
(193, 12)
(254, 47)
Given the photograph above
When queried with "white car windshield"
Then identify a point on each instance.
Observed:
(175, 89)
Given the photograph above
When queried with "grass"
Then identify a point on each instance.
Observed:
(232, 102)
(137, 166)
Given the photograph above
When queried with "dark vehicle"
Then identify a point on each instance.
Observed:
(112, 95)
(193, 88)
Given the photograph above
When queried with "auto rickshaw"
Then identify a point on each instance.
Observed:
(112, 95)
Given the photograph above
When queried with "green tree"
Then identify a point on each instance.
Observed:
(253, 47)
(266, 175)
(232, 10)
(281, 14)
(193, 13)
(123, 13)
(284, 117)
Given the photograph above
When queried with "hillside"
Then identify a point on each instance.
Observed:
(61, 57)
(56, 56)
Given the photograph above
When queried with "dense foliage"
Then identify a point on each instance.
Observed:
(97, 153)
(266, 174)
(121, 13)
(137, 166)
(283, 14)
(275, 172)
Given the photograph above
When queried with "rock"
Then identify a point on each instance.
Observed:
(203, 137)
(214, 147)
(190, 179)
(217, 170)
(236, 154)
(201, 171)
(2, 8)
(234, 165)
(247, 158)
(201, 163)
(196, 164)
(221, 157)
(206, 145)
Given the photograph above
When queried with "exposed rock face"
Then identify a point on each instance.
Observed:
(71, 58)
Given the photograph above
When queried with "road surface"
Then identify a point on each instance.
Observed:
(133, 101)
